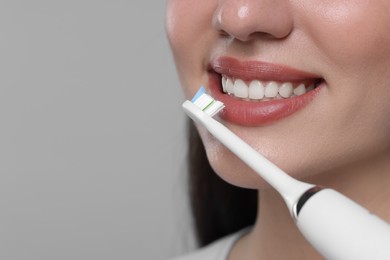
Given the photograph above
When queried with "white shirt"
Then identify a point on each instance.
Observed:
(218, 250)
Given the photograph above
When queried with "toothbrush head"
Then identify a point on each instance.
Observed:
(207, 103)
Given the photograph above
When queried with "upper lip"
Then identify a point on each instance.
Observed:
(250, 70)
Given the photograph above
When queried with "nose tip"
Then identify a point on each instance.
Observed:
(243, 19)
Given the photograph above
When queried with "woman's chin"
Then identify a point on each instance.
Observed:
(234, 171)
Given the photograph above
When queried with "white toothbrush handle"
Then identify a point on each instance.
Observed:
(341, 229)
(335, 225)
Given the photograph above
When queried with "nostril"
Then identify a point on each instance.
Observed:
(223, 34)
(244, 19)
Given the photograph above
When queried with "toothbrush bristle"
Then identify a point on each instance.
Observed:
(207, 103)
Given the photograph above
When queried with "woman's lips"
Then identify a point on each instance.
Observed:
(248, 70)
(252, 113)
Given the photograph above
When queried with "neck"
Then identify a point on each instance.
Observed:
(275, 235)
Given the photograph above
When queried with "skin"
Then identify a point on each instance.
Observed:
(340, 140)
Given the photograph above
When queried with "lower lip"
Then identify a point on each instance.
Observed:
(252, 113)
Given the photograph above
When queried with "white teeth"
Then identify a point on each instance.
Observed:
(224, 84)
(271, 89)
(240, 89)
(229, 86)
(256, 90)
(286, 90)
(300, 90)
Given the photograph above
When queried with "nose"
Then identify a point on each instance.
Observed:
(244, 19)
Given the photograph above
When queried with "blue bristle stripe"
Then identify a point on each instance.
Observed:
(200, 92)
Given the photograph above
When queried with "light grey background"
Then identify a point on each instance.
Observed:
(92, 136)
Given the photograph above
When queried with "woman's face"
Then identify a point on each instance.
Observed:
(263, 48)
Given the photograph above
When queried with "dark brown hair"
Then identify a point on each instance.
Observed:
(218, 208)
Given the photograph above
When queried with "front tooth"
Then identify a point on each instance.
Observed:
(286, 90)
(229, 86)
(224, 84)
(300, 90)
(256, 90)
(240, 89)
(271, 89)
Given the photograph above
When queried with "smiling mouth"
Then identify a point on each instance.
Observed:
(258, 91)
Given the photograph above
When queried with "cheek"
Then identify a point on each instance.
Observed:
(348, 32)
(179, 25)
(353, 45)
(188, 23)
(190, 34)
